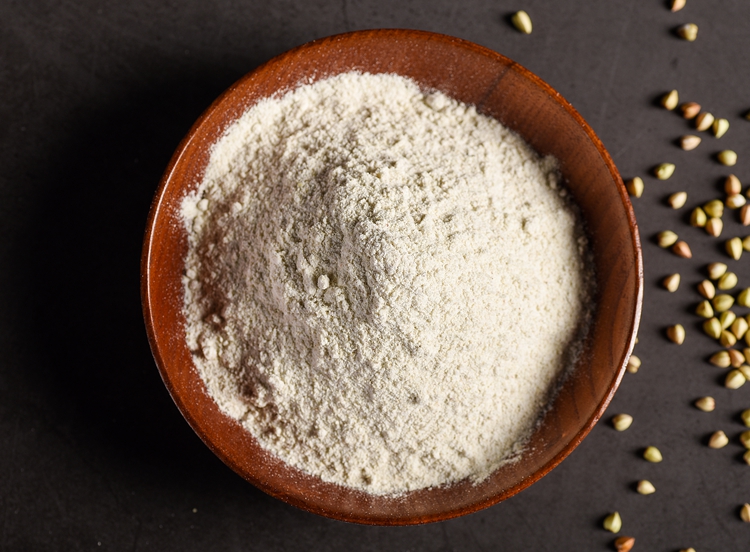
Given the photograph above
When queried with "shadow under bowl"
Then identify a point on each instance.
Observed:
(499, 88)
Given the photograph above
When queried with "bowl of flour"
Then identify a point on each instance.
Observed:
(391, 277)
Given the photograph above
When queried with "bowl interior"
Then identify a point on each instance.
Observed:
(499, 88)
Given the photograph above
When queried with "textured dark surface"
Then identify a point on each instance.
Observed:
(96, 96)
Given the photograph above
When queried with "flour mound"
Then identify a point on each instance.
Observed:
(382, 285)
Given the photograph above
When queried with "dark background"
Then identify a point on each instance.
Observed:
(95, 96)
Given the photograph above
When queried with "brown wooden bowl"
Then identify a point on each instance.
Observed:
(499, 88)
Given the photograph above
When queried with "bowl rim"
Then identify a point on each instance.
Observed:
(160, 355)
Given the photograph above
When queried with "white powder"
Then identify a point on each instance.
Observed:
(382, 285)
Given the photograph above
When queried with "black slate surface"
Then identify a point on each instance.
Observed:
(95, 97)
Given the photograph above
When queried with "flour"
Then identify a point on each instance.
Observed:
(383, 286)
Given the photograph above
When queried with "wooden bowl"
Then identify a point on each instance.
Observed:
(499, 88)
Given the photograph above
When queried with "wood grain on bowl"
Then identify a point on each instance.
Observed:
(499, 88)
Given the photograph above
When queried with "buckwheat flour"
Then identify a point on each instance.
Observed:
(382, 285)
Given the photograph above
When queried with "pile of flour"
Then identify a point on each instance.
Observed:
(382, 285)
